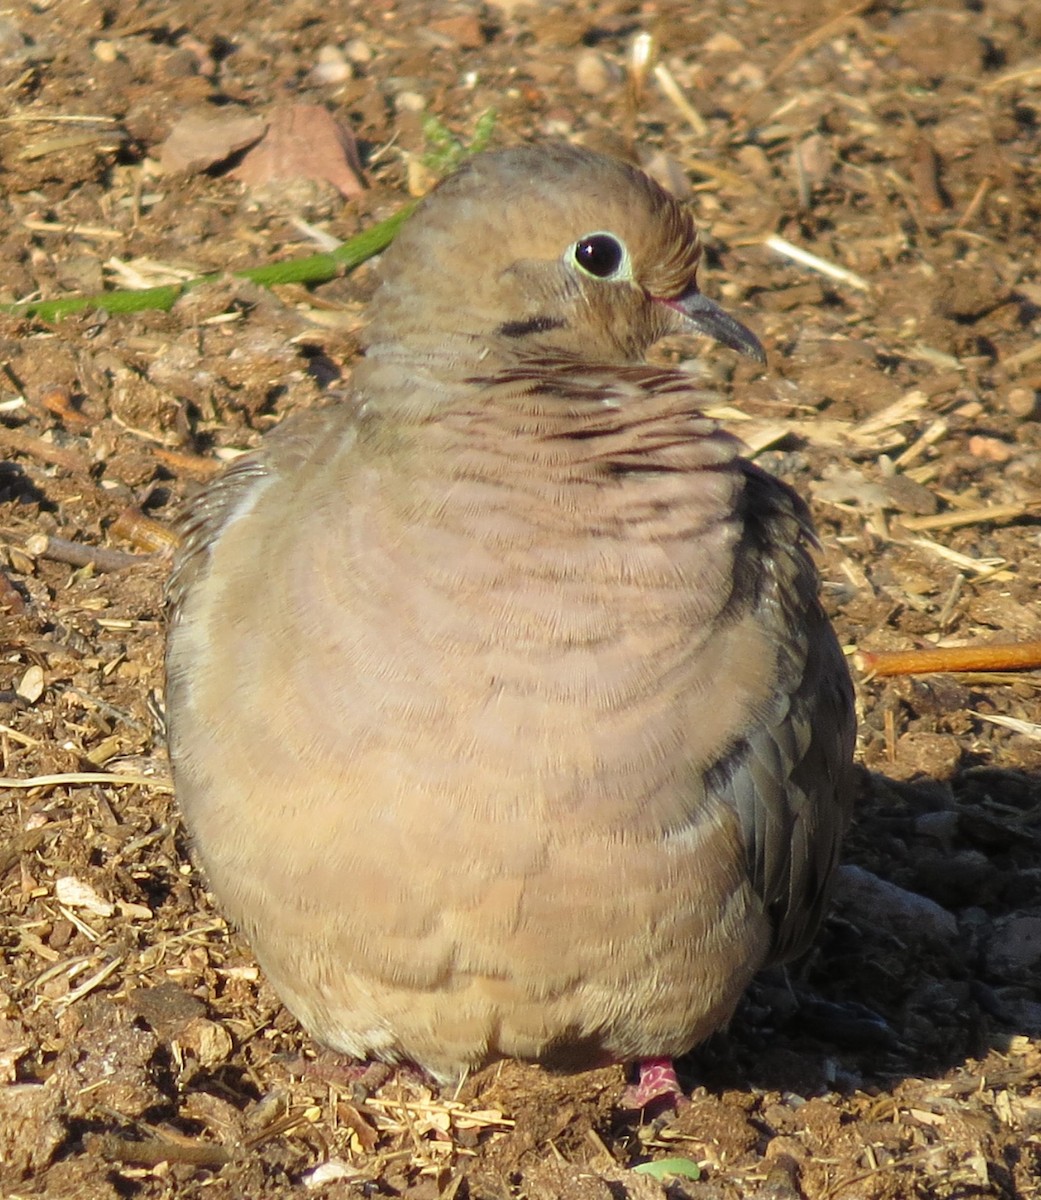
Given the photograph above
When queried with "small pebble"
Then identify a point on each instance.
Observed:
(1022, 402)
(331, 66)
(721, 43)
(464, 30)
(409, 102)
(990, 449)
(359, 52)
(878, 902)
(1014, 947)
(207, 1040)
(940, 825)
(596, 74)
(12, 40)
(331, 1171)
(106, 52)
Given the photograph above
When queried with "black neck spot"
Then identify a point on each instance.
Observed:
(519, 329)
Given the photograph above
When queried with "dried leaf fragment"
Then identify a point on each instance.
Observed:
(74, 893)
(30, 686)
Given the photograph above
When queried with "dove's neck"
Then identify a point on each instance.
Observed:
(428, 374)
(612, 472)
(515, 420)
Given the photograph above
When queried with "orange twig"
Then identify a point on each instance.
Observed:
(57, 398)
(925, 175)
(194, 464)
(1009, 656)
(143, 532)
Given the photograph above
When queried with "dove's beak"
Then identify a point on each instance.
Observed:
(707, 317)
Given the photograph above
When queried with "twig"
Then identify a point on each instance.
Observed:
(56, 144)
(933, 433)
(804, 45)
(69, 778)
(981, 568)
(641, 54)
(1028, 728)
(89, 231)
(1011, 656)
(313, 269)
(150, 1152)
(674, 92)
(889, 727)
(58, 119)
(23, 739)
(815, 263)
(903, 409)
(982, 188)
(56, 398)
(994, 514)
(944, 615)
(23, 443)
(80, 554)
(1010, 78)
(925, 175)
(194, 464)
(88, 985)
(1023, 358)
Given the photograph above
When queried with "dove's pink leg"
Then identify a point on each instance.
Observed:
(657, 1081)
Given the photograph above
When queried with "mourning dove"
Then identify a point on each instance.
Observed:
(503, 712)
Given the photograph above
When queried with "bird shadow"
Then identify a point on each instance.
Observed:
(16, 487)
(930, 955)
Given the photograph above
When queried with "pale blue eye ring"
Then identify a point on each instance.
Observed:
(601, 255)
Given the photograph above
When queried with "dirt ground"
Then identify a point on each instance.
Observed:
(141, 1054)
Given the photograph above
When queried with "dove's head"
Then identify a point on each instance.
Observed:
(548, 249)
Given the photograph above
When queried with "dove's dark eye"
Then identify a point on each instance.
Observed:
(600, 254)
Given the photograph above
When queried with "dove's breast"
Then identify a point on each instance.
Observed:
(450, 740)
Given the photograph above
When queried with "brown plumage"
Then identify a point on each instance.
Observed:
(503, 712)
